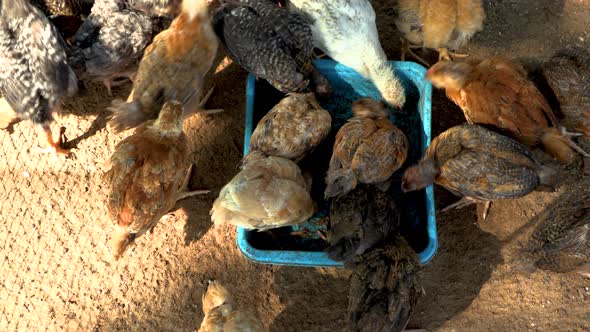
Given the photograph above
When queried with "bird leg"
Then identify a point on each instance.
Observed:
(110, 82)
(199, 108)
(54, 147)
(183, 192)
(445, 54)
(571, 143)
(407, 48)
(7, 114)
(460, 203)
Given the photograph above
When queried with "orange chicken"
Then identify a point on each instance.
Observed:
(293, 128)
(480, 165)
(149, 172)
(221, 315)
(269, 192)
(368, 149)
(173, 67)
(496, 92)
(438, 24)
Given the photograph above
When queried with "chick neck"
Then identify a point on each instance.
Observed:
(381, 73)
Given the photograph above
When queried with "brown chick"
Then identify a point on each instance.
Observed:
(438, 24)
(480, 165)
(561, 241)
(149, 173)
(293, 128)
(384, 288)
(360, 220)
(568, 75)
(496, 92)
(368, 149)
(268, 192)
(173, 67)
(220, 314)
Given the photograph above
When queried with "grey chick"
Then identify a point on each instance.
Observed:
(384, 288)
(359, 220)
(35, 76)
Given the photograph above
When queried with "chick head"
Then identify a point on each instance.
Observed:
(419, 176)
(449, 74)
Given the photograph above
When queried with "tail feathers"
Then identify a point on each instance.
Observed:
(125, 115)
(121, 240)
(558, 146)
(339, 182)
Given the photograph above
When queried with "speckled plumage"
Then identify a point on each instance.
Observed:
(359, 221)
(568, 75)
(368, 149)
(479, 164)
(293, 128)
(146, 172)
(346, 31)
(561, 241)
(268, 192)
(384, 288)
(64, 7)
(111, 41)
(35, 75)
(271, 43)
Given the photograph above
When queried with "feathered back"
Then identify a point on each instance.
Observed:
(215, 296)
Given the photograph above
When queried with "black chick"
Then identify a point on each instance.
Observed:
(35, 75)
(270, 42)
(360, 220)
(110, 43)
(384, 288)
(561, 241)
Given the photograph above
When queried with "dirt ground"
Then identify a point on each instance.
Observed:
(55, 267)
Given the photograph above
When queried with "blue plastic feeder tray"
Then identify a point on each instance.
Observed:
(417, 208)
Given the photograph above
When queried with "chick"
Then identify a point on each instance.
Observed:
(220, 314)
(561, 241)
(368, 149)
(35, 75)
(480, 165)
(271, 43)
(173, 67)
(568, 75)
(438, 24)
(384, 288)
(157, 7)
(109, 44)
(293, 128)
(496, 92)
(149, 173)
(346, 31)
(64, 7)
(360, 220)
(268, 192)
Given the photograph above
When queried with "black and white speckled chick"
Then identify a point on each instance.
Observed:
(168, 8)
(35, 75)
(64, 7)
(271, 43)
(111, 41)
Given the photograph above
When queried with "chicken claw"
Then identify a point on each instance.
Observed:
(445, 54)
(571, 143)
(407, 48)
(183, 192)
(191, 109)
(54, 148)
(460, 204)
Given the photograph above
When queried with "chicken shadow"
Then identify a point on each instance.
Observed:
(316, 299)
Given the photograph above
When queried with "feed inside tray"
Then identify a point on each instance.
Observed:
(347, 87)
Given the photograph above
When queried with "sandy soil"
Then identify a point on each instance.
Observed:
(56, 272)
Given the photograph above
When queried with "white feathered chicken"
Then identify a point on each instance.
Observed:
(345, 30)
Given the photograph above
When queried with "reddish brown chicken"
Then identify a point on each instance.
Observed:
(496, 92)
(478, 164)
(368, 149)
(149, 173)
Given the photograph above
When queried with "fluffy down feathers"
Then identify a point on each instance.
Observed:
(360, 220)
(368, 149)
(384, 288)
(293, 128)
(35, 74)
(146, 173)
(268, 192)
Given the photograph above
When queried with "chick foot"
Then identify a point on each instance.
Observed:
(54, 148)
(109, 83)
(407, 48)
(486, 209)
(183, 192)
(460, 204)
(199, 108)
(572, 144)
(445, 54)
